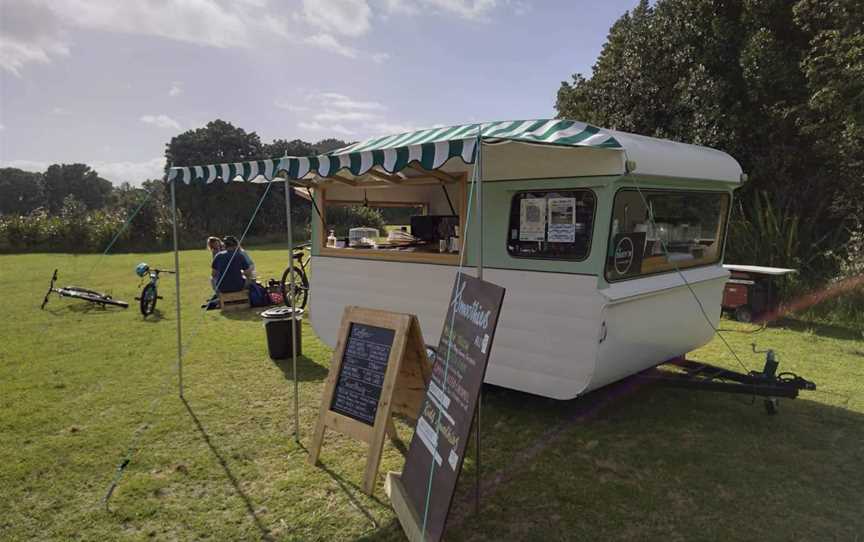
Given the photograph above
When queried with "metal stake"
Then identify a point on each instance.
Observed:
(177, 290)
(291, 290)
(479, 178)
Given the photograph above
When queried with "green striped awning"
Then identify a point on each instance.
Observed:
(429, 148)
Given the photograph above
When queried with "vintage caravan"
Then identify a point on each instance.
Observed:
(610, 245)
(606, 242)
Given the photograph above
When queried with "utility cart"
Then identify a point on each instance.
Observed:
(751, 291)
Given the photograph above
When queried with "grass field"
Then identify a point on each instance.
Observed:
(630, 463)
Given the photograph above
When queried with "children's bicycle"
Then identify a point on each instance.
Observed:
(149, 294)
(298, 295)
(83, 294)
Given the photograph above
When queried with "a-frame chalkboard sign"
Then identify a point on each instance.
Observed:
(379, 368)
(423, 493)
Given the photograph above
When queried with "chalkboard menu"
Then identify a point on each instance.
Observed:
(361, 376)
(441, 437)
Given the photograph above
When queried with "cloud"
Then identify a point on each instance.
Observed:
(2, 127)
(336, 113)
(385, 128)
(29, 33)
(37, 31)
(329, 43)
(344, 116)
(162, 121)
(310, 125)
(330, 129)
(473, 10)
(59, 111)
(285, 104)
(130, 172)
(380, 58)
(334, 99)
(176, 89)
(520, 7)
(346, 17)
(133, 173)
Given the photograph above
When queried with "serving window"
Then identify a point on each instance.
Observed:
(417, 219)
(551, 224)
(686, 231)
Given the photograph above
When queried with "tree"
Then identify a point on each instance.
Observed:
(217, 142)
(777, 84)
(329, 144)
(20, 191)
(281, 147)
(61, 180)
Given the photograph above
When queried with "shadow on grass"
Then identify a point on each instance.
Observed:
(748, 454)
(154, 317)
(629, 446)
(252, 314)
(832, 331)
(347, 488)
(247, 502)
(84, 307)
(307, 370)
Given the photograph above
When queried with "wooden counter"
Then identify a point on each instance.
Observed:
(445, 258)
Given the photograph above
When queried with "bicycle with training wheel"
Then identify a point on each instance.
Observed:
(150, 293)
(91, 296)
(298, 295)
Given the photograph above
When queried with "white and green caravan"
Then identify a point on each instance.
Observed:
(606, 242)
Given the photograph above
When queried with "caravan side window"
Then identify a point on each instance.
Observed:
(687, 231)
(551, 224)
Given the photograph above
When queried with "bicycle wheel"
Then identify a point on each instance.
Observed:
(300, 295)
(148, 300)
(93, 297)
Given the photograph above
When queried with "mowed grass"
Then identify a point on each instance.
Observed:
(632, 462)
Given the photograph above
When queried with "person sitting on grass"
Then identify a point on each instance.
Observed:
(250, 273)
(215, 246)
(229, 267)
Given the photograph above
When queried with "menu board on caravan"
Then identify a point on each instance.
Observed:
(438, 446)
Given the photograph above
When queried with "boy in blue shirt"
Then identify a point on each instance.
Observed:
(229, 266)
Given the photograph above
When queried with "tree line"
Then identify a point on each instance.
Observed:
(69, 207)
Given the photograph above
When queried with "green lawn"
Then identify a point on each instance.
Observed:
(630, 463)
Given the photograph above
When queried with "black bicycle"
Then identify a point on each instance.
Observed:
(298, 295)
(83, 294)
(149, 294)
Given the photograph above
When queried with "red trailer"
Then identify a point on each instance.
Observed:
(750, 292)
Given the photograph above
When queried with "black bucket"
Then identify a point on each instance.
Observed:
(277, 324)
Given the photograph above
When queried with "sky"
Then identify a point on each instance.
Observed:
(110, 82)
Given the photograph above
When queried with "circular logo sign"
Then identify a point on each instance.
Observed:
(623, 258)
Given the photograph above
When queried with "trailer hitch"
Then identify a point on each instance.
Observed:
(767, 383)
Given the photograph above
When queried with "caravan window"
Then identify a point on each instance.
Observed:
(687, 231)
(551, 224)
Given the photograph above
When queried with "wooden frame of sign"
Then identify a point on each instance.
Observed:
(348, 404)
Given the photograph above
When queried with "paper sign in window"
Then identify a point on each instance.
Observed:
(562, 220)
(532, 219)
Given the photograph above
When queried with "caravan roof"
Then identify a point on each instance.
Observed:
(548, 146)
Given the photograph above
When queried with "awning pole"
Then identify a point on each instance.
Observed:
(177, 290)
(291, 290)
(479, 177)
